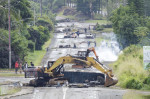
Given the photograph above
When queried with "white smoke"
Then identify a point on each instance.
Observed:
(109, 48)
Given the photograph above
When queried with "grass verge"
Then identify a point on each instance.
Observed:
(130, 71)
(107, 30)
(11, 75)
(100, 22)
(134, 95)
(37, 56)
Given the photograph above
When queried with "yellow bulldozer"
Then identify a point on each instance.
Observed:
(53, 73)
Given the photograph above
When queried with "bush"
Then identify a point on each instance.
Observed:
(31, 45)
(39, 35)
(134, 84)
(19, 48)
(147, 80)
(99, 27)
(129, 68)
(45, 22)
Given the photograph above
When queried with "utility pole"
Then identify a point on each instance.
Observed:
(64, 2)
(34, 12)
(41, 7)
(9, 34)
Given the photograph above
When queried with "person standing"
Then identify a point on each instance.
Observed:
(95, 43)
(16, 66)
(88, 43)
(32, 65)
(85, 29)
(26, 65)
(20, 67)
(74, 46)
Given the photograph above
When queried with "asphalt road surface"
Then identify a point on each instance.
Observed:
(53, 53)
(73, 93)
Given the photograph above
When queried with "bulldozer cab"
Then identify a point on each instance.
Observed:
(82, 53)
(50, 63)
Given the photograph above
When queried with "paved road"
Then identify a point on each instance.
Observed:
(70, 93)
(15, 79)
(74, 93)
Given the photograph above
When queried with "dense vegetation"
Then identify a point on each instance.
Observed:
(131, 23)
(25, 36)
(129, 69)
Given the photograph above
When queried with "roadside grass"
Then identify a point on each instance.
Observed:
(37, 56)
(11, 75)
(101, 22)
(135, 95)
(10, 91)
(129, 69)
(107, 30)
(6, 69)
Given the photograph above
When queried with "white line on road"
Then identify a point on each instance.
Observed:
(64, 92)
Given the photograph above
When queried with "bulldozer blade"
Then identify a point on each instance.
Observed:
(110, 81)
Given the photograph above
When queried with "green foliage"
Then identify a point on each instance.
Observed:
(39, 35)
(129, 68)
(23, 41)
(129, 27)
(46, 22)
(87, 6)
(134, 84)
(24, 7)
(140, 33)
(3, 18)
(147, 7)
(3, 48)
(137, 6)
(99, 27)
(19, 47)
(31, 45)
(37, 56)
(53, 5)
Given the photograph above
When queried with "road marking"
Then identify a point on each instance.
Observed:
(64, 92)
(35, 95)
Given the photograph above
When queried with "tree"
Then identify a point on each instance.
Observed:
(137, 6)
(88, 6)
(24, 7)
(147, 7)
(128, 25)
(19, 47)
(39, 35)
